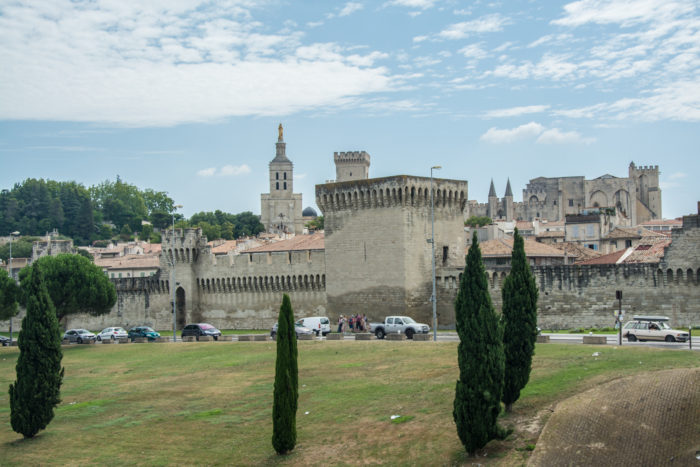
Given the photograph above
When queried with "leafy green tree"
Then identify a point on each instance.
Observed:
(74, 283)
(119, 202)
(146, 232)
(9, 296)
(160, 219)
(37, 389)
(85, 254)
(519, 318)
(478, 221)
(286, 390)
(157, 201)
(480, 356)
(316, 224)
(125, 233)
(248, 224)
(21, 248)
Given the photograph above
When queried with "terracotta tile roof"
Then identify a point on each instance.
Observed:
(678, 222)
(552, 234)
(152, 248)
(299, 242)
(550, 224)
(129, 262)
(576, 250)
(523, 225)
(504, 247)
(225, 247)
(646, 252)
(631, 232)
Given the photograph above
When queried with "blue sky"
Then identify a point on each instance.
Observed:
(185, 96)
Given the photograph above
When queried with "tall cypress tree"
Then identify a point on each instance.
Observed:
(480, 356)
(519, 317)
(39, 374)
(286, 391)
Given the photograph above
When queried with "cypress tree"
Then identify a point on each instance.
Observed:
(519, 317)
(286, 391)
(480, 356)
(39, 374)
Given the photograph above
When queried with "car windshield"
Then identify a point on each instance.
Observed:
(83, 331)
(147, 329)
(663, 325)
(408, 320)
(206, 326)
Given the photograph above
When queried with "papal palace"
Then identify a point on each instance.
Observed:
(585, 239)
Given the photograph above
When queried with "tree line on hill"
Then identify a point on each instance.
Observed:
(108, 211)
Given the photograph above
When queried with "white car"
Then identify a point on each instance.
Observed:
(652, 328)
(79, 336)
(112, 333)
(318, 324)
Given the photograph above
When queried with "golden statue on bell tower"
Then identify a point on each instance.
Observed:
(281, 131)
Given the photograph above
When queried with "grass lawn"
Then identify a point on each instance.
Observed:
(210, 403)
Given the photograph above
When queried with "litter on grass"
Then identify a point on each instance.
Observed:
(394, 417)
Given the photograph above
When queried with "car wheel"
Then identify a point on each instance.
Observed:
(317, 333)
(409, 333)
(379, 333)
(670, 339)
(99, 338)
(631, 337)
(273, 335)
(216, 338)
(80, 341)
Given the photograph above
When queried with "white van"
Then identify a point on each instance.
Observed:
(318, 324)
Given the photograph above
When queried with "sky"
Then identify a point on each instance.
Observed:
(185, 96)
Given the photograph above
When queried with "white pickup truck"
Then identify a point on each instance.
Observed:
(394, 324)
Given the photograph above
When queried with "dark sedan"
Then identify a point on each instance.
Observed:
(143, 331)
(201, 329)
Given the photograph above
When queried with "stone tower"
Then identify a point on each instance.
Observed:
(351, 166)
(281, 207)
(377, 259)
(508, 202)
(493, 202)
(648, 192)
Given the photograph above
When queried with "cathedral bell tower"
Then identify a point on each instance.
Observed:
(281, 207)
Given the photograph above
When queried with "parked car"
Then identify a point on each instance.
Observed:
(4, 341)
(79, 336)
(652, 328)
(112, 333)
(298, 328)
(394, 324)
(318, 324)
(200, 329)
(143, 331)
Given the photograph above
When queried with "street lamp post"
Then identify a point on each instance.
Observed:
(433, 297)
(173, 283)
(12, 234)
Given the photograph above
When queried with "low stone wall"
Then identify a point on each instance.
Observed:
(595, 340)
(396, 336)
(334, 336)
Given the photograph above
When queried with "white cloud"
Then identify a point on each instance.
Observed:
(422, 4)
(516, 111)
(534, 130)
(299, 176)
(418, 39)
(207, 172)
(488, 23)
(350, 8)
(474, 51)
(225, 171)
(528, 130)
(624, 12)
(229, 170)
(152, 64)
(677, 175)
(556, 136)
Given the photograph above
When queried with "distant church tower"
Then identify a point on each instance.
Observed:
(281, 207)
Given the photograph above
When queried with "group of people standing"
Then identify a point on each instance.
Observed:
(353, 323)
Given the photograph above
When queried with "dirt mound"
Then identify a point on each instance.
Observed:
(649, 419)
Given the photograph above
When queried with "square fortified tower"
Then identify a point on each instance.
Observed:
(378, 259)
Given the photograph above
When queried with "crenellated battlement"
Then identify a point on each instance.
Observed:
(187, 247)
(351, 157)
(387, 192)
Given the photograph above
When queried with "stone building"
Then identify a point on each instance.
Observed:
(637, 197)
(351, 166)
(281, 207)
